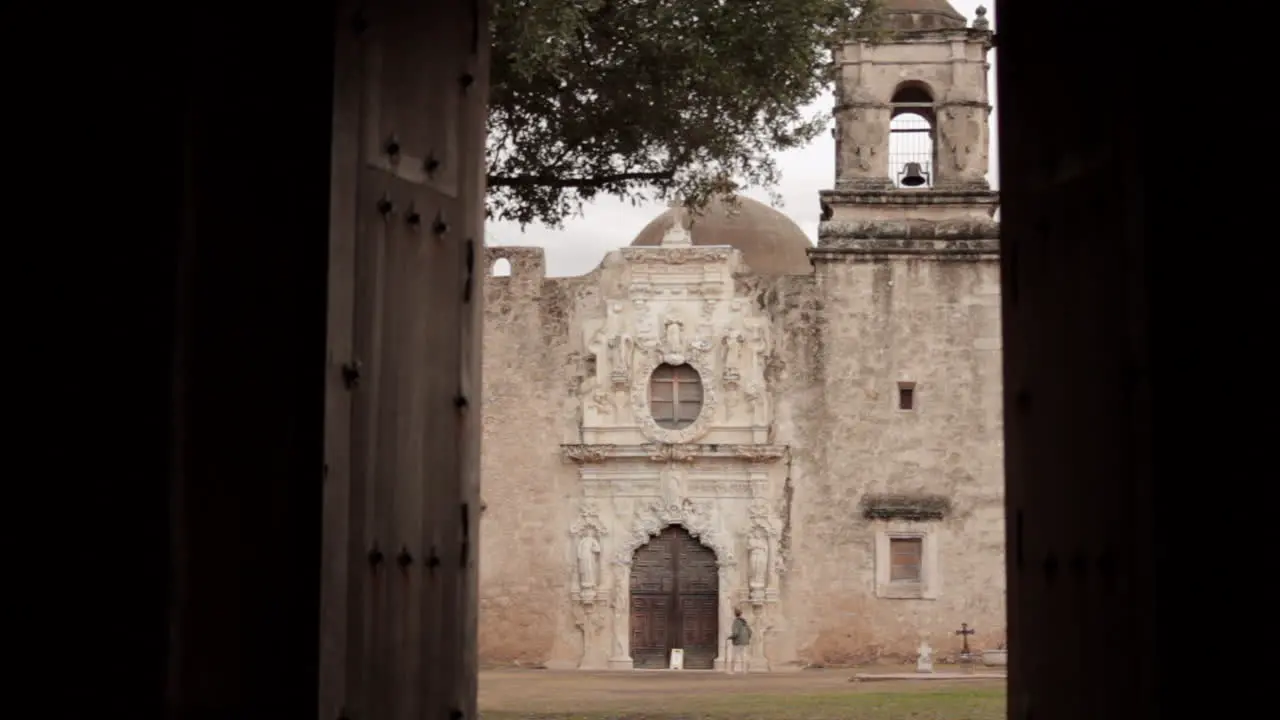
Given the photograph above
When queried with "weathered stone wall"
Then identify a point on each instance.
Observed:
(528, 377)
(855, 330)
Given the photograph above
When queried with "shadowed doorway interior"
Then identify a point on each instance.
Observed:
(675, 589)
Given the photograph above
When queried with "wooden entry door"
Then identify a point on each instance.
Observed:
(675, 594)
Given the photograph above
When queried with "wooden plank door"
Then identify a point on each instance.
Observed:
(698, 599)
(674, 601)
(398, 609)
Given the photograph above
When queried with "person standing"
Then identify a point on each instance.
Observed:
(740, 639)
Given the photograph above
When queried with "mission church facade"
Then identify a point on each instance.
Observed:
(724, 416)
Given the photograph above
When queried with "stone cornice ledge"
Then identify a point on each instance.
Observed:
(907, 35)
(663, 452)
(852, 194)
(667, 255)
(862, 249)
(908, 229)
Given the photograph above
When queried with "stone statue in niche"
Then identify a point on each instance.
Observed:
(597, 343)
(646, 333)
(735, 341)
(758, 344)
(618, 342)
(758, 560)
(709, 309)
(672, 488)
(622, 352)
(587, 530)
(763, 527)
(588, 560)
(673, 327)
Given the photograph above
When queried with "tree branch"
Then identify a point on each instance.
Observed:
(556, 181)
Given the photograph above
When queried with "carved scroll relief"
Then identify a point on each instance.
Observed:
(964, 142)
(699, 518)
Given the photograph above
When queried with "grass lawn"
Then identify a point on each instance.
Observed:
(952, 703)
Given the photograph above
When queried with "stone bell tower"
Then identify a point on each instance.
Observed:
(912, 132)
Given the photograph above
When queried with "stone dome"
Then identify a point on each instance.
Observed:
(770, 242)
(920, 15)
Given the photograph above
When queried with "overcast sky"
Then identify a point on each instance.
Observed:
(607, 223)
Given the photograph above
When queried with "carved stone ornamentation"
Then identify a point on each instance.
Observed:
(680, 255)
(587, 454)
(759, 453)
(699, 518)
(862, 134)
(591, 621)
(690, 433)
(677, 235)
(758, 560)
(665, 452)
(621, 610)
(963, 142)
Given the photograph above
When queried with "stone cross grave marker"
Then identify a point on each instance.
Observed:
(924, 661)
(966, 657)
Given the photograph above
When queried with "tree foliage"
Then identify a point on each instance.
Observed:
(643, 99)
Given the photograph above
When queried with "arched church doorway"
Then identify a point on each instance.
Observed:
(675, 591)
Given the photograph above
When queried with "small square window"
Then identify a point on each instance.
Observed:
(906, 396)
(906, 561)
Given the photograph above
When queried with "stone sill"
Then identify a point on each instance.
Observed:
(905, 592)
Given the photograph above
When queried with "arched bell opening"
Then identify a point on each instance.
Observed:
(912, 130)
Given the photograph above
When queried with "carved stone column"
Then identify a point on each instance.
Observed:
(620, 650)
(595, 642)
(726, 615)
(757, 661)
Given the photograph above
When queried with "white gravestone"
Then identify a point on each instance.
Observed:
(924, 661)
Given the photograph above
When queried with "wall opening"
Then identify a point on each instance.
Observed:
(501, 268)
(911, 137)
(906, 396)
(675, 396)
(675, 600)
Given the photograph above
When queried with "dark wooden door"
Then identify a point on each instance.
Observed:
(398, 608)
(675, 588)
